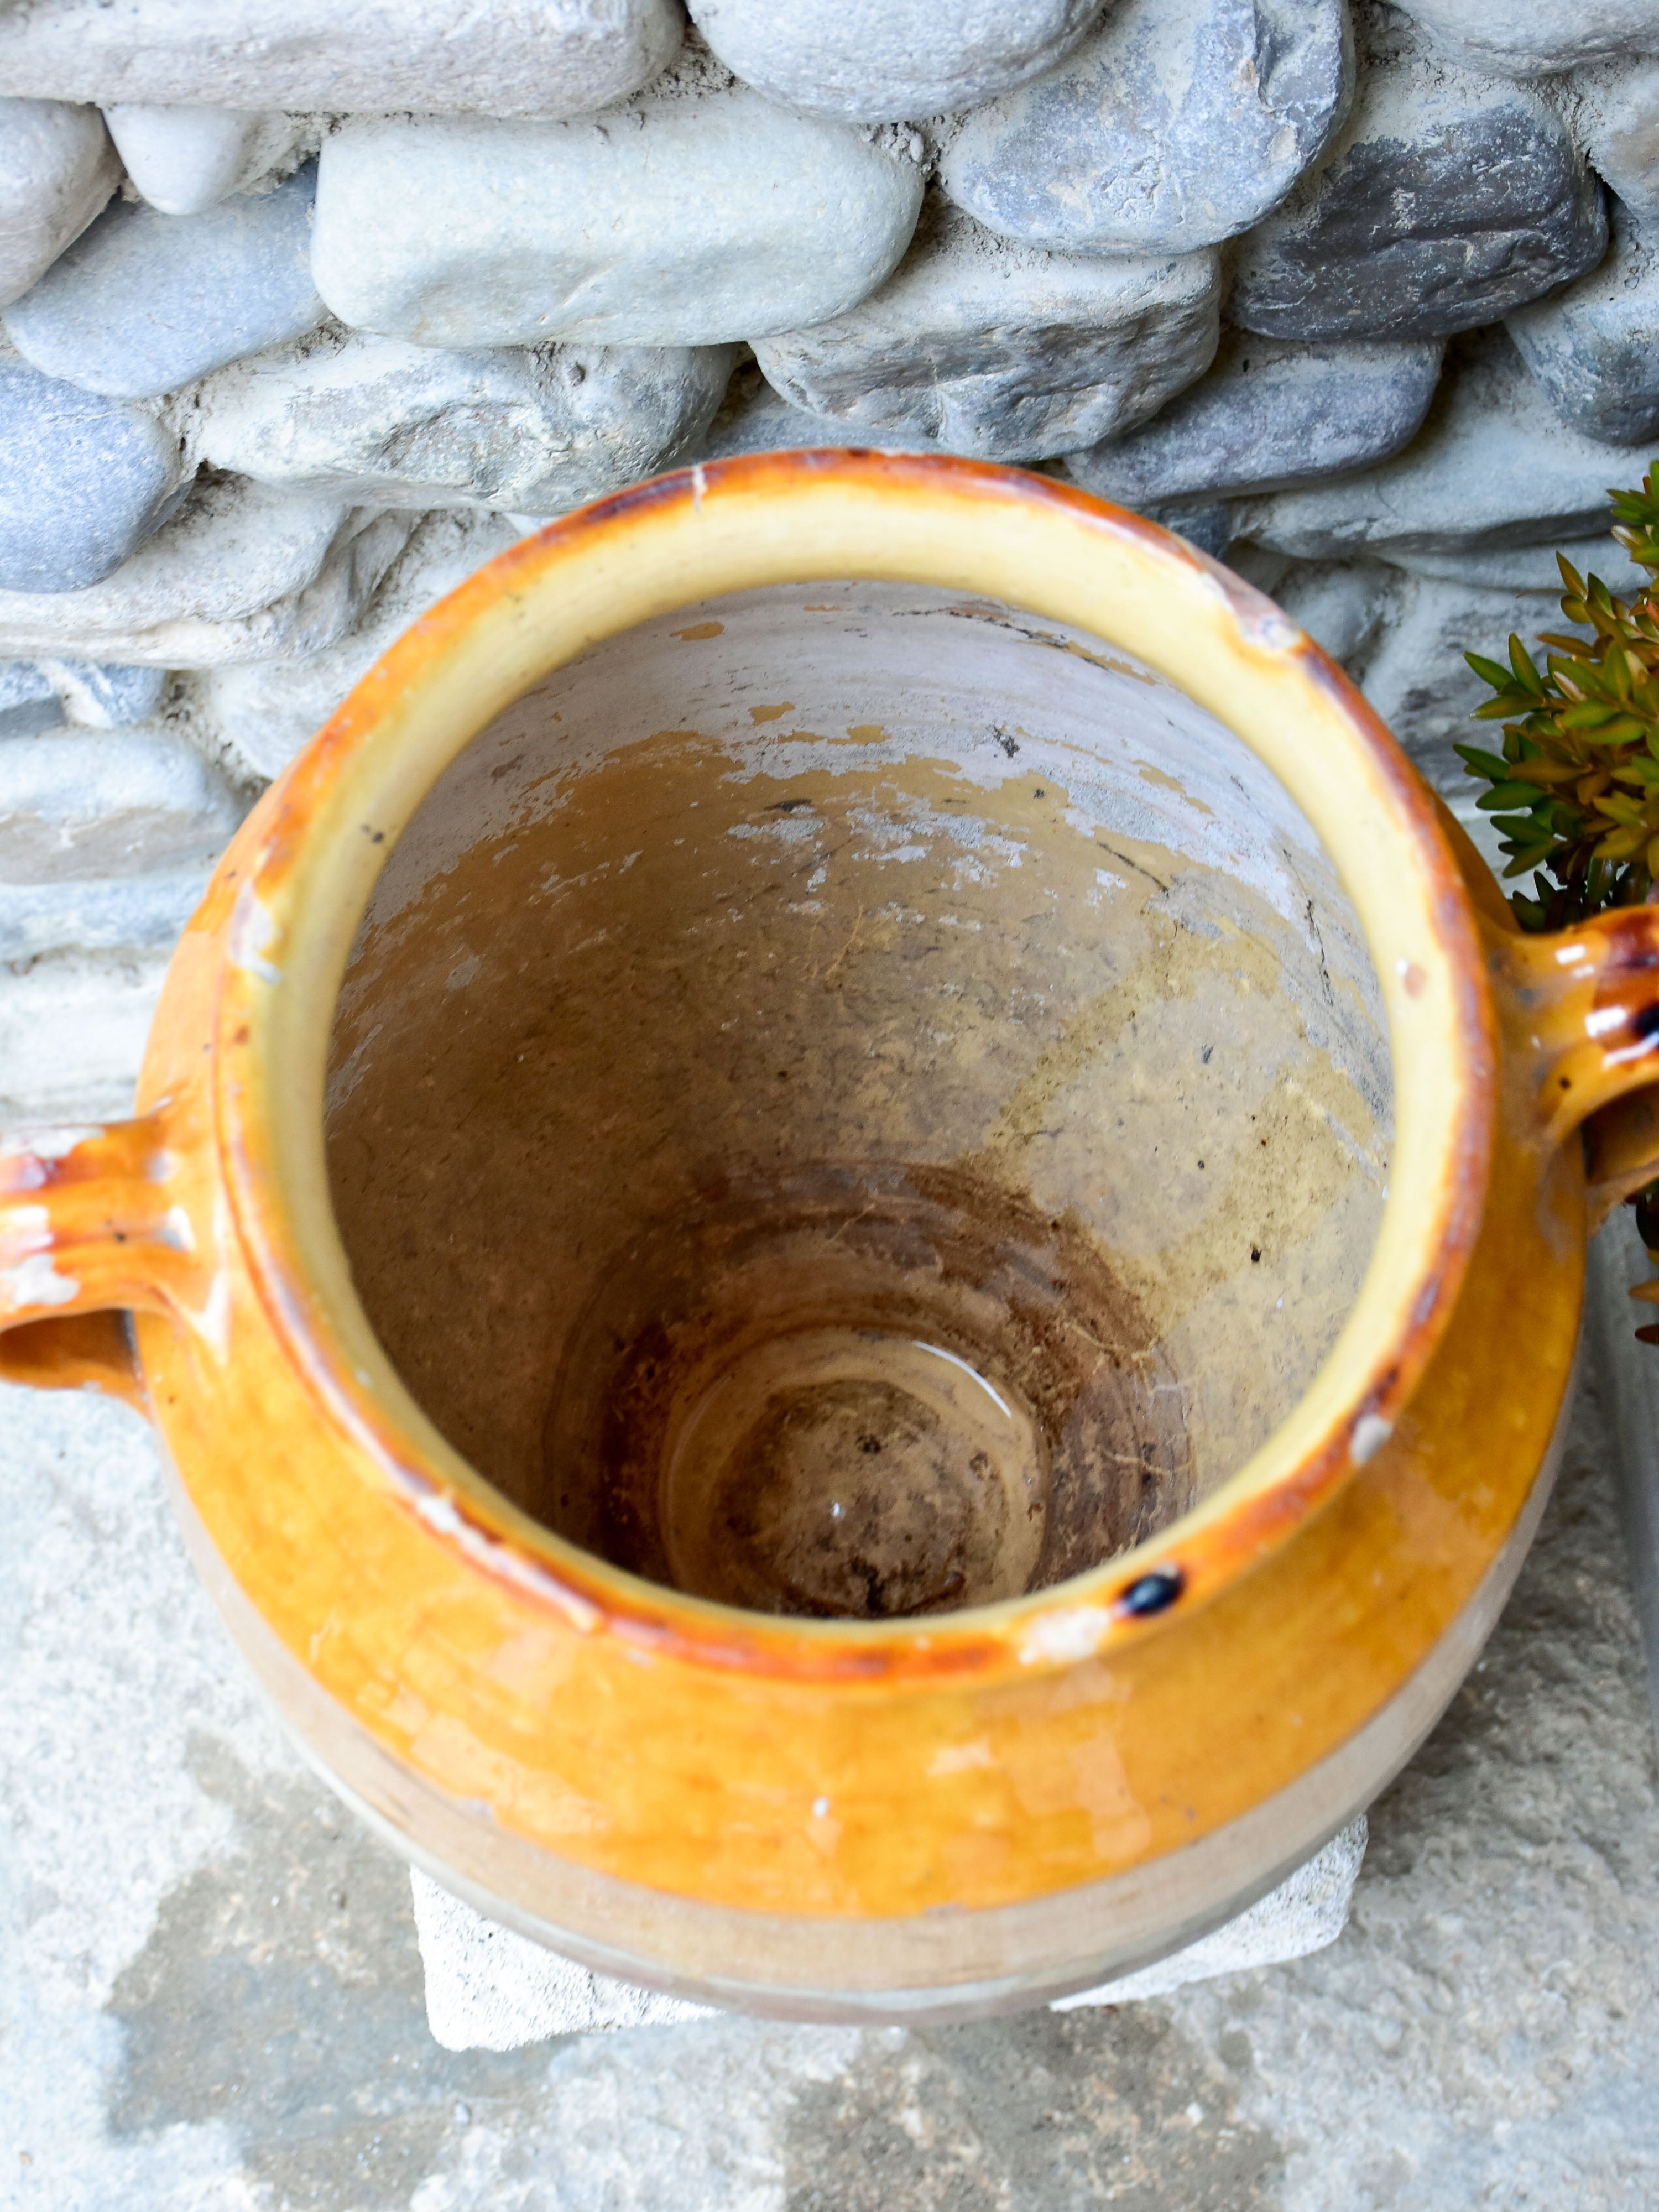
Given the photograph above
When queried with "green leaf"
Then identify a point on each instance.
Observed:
(1508, 794)
(1478, 762)
(1490, 672)
(1520, 661)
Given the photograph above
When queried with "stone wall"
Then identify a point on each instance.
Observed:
(310, 309)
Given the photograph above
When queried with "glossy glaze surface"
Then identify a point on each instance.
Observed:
(707, 1796)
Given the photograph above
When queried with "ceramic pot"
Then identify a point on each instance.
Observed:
(857, 1242)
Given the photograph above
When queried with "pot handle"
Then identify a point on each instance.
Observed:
(1583, 1009)
(90, 1226)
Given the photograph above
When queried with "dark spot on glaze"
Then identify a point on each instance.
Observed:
(1151, 1593)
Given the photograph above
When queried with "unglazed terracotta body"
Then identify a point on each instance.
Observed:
(905, 912)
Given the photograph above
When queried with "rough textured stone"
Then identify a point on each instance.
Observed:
(1493, 467)
(83, 484)
(28, 702)
(72, 1031)
(681, 221)
(143, 301)
(36, 696)
(1005, 352)
(877, 61)
(256, 714)
(56, 169)
(107, 698)
(439, 56)
(753, 418)
(1342, 604)
(242, 573)
(104, 913)
(1537, 37)
(1615, 109)
(1594, 347)
(183, 160)
(538, 429)
(1178, 123)
(1270, 413)
(1417, 678)
(1446, 200)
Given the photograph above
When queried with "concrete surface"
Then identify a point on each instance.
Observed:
(210, 1998)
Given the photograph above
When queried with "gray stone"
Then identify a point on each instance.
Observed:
(1270, 413)
(680, 222)
(1537, 37)
(1615, 111)
(536, 429)
(1594, 347)
(1178, 123)
(28, 704)
(72, 1032)
(84, 482)
(1004, 352)
(37, 695)
(145, 302)
(77, 807)
(1446, 200)
(877, 61)
(123, 913)
(1342, 604)
(1418, 679)
(1493, 467)
(753, 418)
(56, 169)
(439, 56)
(241, 572)
(256, 714)
(1525, 568)
(183, 160)
(107, 698)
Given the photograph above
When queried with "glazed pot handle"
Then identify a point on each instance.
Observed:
(90, 1226)
(1583, 1007)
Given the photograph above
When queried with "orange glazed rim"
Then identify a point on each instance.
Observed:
(332, 820)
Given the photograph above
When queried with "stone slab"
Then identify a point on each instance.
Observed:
(1446, 200)
(1537, 37)
(1177, 123)
(82, 806)
(1493, 467)
(489, 1989)
(243, 572)
(1614, 106)
(86, 482)
(439, 56)
(536, 429)
(692, 219)
(185, 160)
(144, 303)
(877, 61)
(1593, 349)
(1003, 352)
(56, 169)
(1270, 413)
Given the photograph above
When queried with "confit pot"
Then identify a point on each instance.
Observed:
(919, 881)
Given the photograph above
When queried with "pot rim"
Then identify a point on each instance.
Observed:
(330, 823)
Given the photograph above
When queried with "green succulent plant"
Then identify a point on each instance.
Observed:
(1576, 789)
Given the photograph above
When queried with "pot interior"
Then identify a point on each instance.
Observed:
(851, 1102)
